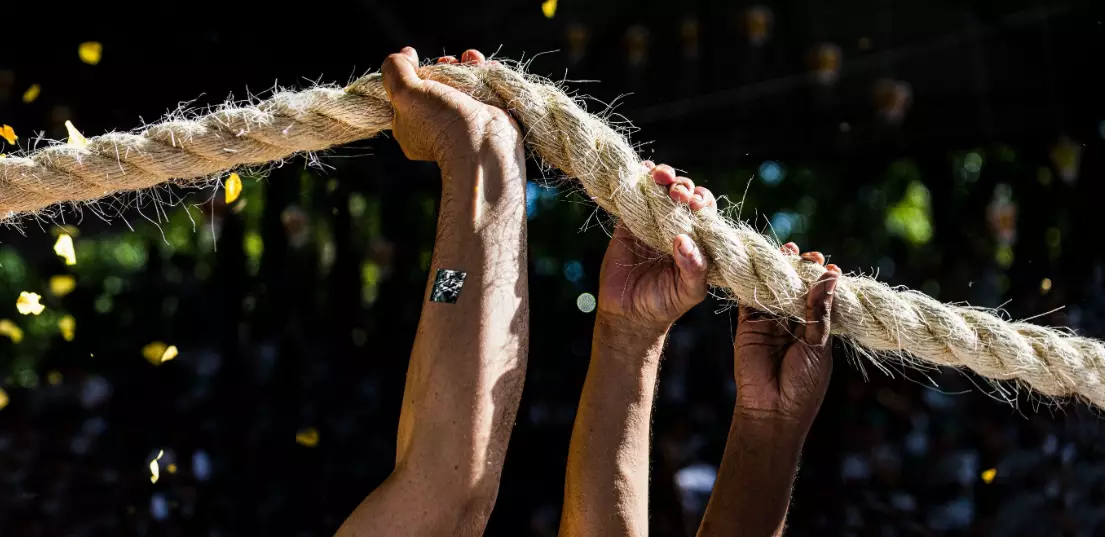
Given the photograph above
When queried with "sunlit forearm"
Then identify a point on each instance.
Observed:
(606, 489)
(467, 367)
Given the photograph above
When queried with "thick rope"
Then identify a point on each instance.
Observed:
(902, 324)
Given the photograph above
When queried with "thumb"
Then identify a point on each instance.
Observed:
(400, 73)
(690, 264)
(819, 305)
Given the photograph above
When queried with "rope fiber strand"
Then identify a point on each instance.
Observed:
(883, 323)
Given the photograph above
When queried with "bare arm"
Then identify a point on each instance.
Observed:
(467, 367)
(606, 491)
(782, 371)
(641, 293)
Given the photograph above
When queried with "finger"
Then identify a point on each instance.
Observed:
(448, 59)
(703, 199)
(494, 63)
(681, 190)
(472, 57)
(663, 174)
(819, 305)
(691, 264)
(648, 164)
(790, 248)
(399, 72)
(815, 257)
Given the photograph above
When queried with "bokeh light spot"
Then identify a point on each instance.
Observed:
(586, 302)
(772, 173)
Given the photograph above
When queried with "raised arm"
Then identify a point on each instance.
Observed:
(641, 293)
(466, 371)
(782, 371)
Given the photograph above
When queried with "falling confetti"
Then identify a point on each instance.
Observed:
(31, 94)
(64, 248)
(90, 52)
(988, 475)
(54, 378)
(3, 398)
(1045, 285)
(307, 437)
(155, 470)
(68, 327)
(548, 7)
(171, 468)
(62, 285)
(8, 134)
(10, 329)
(76, 139)
(233, 187)
(27, 304)
(158, 352)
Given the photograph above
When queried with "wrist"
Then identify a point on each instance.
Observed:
(485, 140)
(615, 338)
(770, 428)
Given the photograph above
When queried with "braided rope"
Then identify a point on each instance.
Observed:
(892, 323)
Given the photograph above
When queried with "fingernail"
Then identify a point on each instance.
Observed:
(679, 189)
(698, 198)
(833, 268)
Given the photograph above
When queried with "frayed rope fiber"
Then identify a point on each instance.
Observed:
(899, 324)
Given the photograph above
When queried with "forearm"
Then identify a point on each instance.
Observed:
(606, 490)
(752, 490)
(467, 367)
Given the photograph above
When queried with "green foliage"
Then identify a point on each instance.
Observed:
(911, 217)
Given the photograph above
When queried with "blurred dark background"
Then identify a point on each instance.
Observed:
(952, 147)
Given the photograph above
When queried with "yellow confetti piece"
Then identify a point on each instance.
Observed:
(62, 285)
(76, 139)
(90, 52)
(158, 352)
(8, 134)
(31, 94)
(3, 398)
(155, 470)
(988, 475)
(27, 304)
(548, 7)
(233, 187)
(12, 330)
(171, 468)
(54, 378)
(68, 327)
(3, 155)
(64, 248)
(307, 437)
(1045, 285)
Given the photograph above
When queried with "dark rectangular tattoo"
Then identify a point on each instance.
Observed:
(447, 286)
